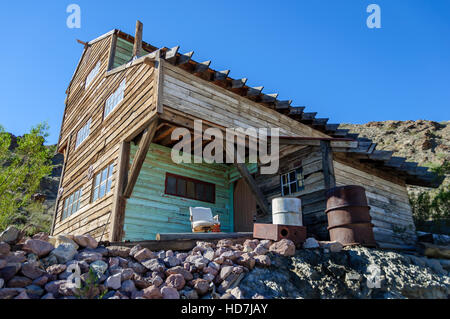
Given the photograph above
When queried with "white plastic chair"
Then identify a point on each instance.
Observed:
(202, 219)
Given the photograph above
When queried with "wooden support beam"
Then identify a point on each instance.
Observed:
(320, 122)
(185, 58)
(119, 203)
(159, 83)
(112, 51)
(269, 98)
(139, 158)
(327, 163)
(316, 141)
(58, 196)
(237, 84)
(381, 155)
(171, 55)
(283, 105)
(202, 67)
(255, 91)
(309, 116)
(137, 47)
(332, 127)
(221, 75)
(296, 110)
(341, 132)
(259, 196)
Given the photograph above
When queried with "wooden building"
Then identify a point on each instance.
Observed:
(126, 98)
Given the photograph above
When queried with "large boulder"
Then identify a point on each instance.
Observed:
(144, 254)
(311, 243)
(89, 256)
(180, 270)
(284, 247)
(56, 269)
(34, 290)
(128, 286)
(4, 249)
(10, 235)
(38, 247)
(154, 265)
(86, 241)
(263, 261)
(201, 286)
(114, 281)
(32, 270)
(118, 251)
(175, 281)
(10, 271)
(152, 292)
(10, 293)
(99, 267)
(170, 293)
(62, 239)
(64, 253)
(19, 282)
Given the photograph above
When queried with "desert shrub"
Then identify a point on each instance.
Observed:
(22, 167)
(431, 210)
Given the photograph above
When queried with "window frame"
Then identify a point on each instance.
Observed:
(85, 126)
(92, 75)
(114, 95)
(196, 182)
(96, 189)
(70, 202)
(298, 177)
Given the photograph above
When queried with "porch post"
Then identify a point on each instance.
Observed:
(327, 164)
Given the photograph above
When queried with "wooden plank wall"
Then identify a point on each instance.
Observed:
(312, 196)
(102, 146)
(192, 95)
(150, 211)
(390, 209)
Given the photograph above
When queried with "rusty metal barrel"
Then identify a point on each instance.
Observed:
(348, 214)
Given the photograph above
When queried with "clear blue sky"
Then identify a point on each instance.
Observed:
(320, 54)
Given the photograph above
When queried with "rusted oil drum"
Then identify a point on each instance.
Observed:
(349, 220)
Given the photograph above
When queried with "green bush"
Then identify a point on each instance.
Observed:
(21, 171)
(431, 211)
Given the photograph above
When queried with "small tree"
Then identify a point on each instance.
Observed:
(21, 170)
(433, 206)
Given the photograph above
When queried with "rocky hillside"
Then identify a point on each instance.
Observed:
(424, 142)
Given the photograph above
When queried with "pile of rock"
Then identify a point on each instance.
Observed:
(45, 267)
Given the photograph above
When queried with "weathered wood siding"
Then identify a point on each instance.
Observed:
(124, 52)
(150, 211)
(389, 205)
(102, 145)
(197, 97)
(312, 196)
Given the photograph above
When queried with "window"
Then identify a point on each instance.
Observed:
(72, 204)
(83, 133)
(114, 99)
(92, 74)
(102, 183)
(190, 188)
(292, 182)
